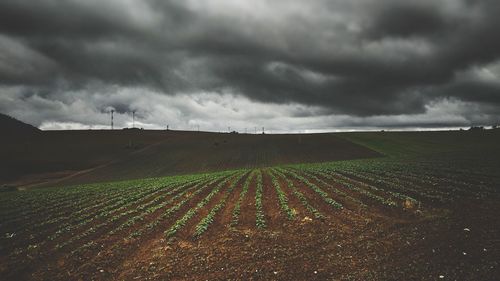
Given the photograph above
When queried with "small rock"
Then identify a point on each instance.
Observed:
(408, 204)
(441, 276)
(464, 253)
(306, 218)
(466, 229)
(275, 272)
(101, 270)
(315, 272)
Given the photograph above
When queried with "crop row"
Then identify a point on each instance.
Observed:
(141, 210)
(260, 220)
(187, 193)
(237, 207)
(203, 225)
(315, 176)
(191, 212)
(355, 186)
(299, 195)
(282, 198)
(314, 187)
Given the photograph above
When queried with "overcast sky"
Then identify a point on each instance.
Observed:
(296, 66)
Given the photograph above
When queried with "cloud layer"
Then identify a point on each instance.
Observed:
(345, 64)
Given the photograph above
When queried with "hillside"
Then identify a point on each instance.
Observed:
(459, 145)
(74, 157)
(52, 155)
(11, 127)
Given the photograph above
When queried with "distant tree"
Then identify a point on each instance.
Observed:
(476, 128)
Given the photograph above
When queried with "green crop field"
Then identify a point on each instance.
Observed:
(285, 215)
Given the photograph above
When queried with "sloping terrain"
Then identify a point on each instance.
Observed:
(465, 145)
(13, 128)
(205, 152)
(74, 157)
(50, 155)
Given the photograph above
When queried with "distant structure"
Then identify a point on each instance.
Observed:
(133, 119)
(263, 132)
(112, 112)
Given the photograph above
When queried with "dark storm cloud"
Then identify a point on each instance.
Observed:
(358, 58)
(409, 18)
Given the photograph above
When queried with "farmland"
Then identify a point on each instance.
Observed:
(425, 209)
(65, 158)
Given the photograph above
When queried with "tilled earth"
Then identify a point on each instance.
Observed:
(449, 233)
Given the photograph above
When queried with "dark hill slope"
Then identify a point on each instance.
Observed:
(73, 157)
(11, 127)
(50, 155)
(190, 152)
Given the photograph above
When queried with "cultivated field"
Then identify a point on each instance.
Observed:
(65, 158)
(427, 210)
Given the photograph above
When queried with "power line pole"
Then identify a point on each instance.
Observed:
(262, 130)
(133, 119)
(112, 112)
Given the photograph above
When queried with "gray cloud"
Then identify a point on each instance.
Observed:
(361, 58)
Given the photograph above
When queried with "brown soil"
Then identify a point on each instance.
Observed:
(73, 157)
(375, 243)
(456, 239)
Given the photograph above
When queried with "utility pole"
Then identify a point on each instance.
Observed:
(262, 130)
(112, 112)
(133, 119)
(229, 129)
